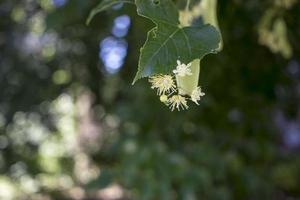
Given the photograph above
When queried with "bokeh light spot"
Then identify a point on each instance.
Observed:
(59, 3)
(121, 26)
(61, 77)
(112, 53)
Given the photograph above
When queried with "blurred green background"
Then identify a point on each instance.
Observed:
(73, 127)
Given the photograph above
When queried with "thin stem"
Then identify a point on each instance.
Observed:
(187, 5)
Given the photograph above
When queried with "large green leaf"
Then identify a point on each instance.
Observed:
(169, 41)
(103, 5)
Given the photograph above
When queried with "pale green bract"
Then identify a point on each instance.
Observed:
(168, 41)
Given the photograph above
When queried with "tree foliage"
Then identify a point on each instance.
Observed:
(67, 125)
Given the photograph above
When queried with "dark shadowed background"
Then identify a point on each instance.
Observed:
(73, 127)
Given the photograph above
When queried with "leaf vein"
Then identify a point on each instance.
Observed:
(163, 44)
(188, 42)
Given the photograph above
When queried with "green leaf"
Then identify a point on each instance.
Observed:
(102, 181)
(105, 4)
(169, 41)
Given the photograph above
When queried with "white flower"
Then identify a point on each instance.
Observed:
(183, 69)
(196, 95)
(163, 83)
(178, 102)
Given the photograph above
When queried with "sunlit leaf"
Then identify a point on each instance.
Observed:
(200, 12)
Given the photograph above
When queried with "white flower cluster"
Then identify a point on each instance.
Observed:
(183, 69)
(166, 87)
